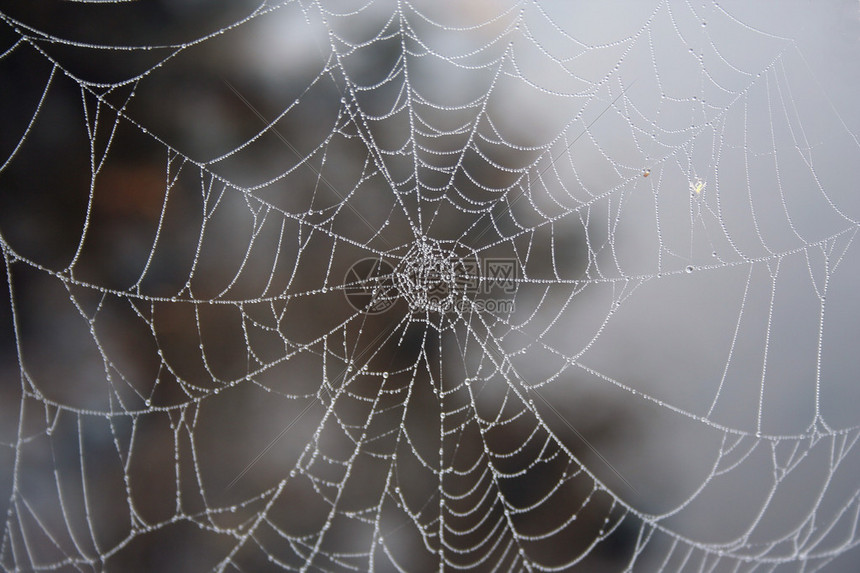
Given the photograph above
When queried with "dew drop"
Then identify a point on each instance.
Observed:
(690, 269)
(148, 402)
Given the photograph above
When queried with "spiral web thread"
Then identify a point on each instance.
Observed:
(196, 383)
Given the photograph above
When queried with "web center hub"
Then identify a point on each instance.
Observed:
(437, 276)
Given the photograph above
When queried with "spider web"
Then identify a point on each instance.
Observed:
(191, 380)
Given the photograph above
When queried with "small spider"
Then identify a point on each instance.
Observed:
(646, 173)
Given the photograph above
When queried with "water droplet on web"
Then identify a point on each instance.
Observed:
(690, 269)
(148, 402)
(385, 374)
(704, 23)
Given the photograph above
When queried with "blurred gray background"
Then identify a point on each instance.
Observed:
(173, 330)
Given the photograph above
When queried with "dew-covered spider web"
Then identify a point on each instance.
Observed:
(443, 285)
